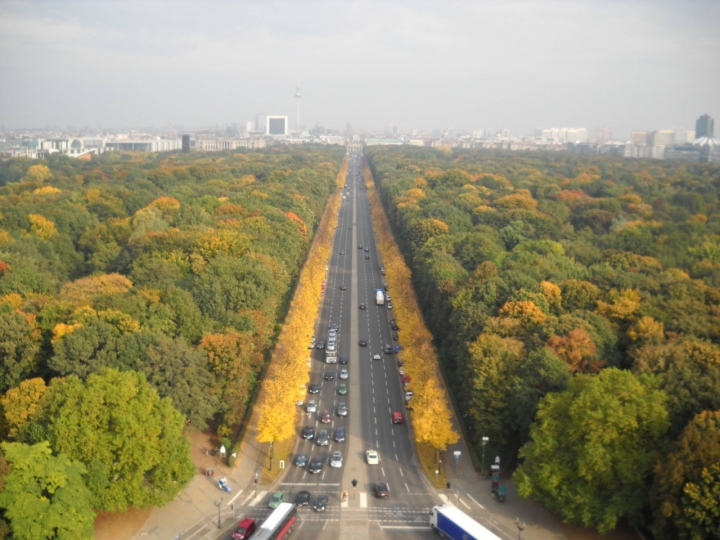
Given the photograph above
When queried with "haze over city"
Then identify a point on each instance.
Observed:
(514, 65)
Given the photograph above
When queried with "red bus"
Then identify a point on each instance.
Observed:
(278, 524)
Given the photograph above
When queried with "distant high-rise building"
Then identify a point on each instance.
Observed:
(639, 138)
(249, 127)
(663, 137)
(277, 125)
(704, 126)
(186, 144)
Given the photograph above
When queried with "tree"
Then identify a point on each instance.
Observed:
(129, 438)
(685, 503)
(19, 404)
(19, 346)
(432, 420)
(592, 448)
(44, 495)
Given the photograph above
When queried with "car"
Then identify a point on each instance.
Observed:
(363, 306)
(389, 305)
(394, 326)
(408, 395)
(343, 287)
(397, 418)
(367, 256)
(244, 529)
(363, 342)
(401, 363)
(405, 379)
(382, 491)
(320, 345)
(398, 348)
(333, 326)
(302, 498)
(388, 349)
(401, 372)
(342, 409)
(325, 417)
(359, 246)
(342, 389)
(301, 460)
(332, 333)
(376, 357)
(312, 345)
(350, 228)
(329, 376)
(343, 359)
(344, 374)
(323, 438)
(387, 297)
(395, 336)
(340, 434)
(314, 389)
(308, 433)
(342, 253)
(277, 498)
(321, 503)
(367, 249)
(316, 466)
(336, 460)
(372, 457)
(382, 270)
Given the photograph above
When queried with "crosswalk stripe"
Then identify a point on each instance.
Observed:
(363, 500)
(257, 499)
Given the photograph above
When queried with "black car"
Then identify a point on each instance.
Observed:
(363, 342)
(359, 246)
(301, 460)
(367, 256)
(321, 503)
(394, 326)
(343, 287)
(350, 228)
(316, 466)
(302, 498)
(320, 345)
(314, 389)
(343, 359)
(401, 363)
(362, 306)
(333, 327)
(340, 434)
(395, 336)
(388, 349)
(342, 253)
(308, 433)
(329, 375)
(382, 491)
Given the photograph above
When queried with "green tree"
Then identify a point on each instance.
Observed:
(19, 346)
(685, 504)
(44, 495)
(130, 439)
(592, 448)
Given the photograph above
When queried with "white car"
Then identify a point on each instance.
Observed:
(372, 457)
(344, 374)
(336, 460)
(376, 357)
(311, 406)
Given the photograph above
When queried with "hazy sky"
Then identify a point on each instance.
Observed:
(621, 65)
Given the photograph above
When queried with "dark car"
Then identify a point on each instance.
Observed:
(325, 417)
(320, 345)
(333, 327)
(342, 253)
(343, 287)
(340, 434)
(363, 306)
(343, 359)
(388, 349)
(363, 342)
(329, 375)
(316, 466)
(367, 256)
(314, 389)
(321, 503)
(395, 336)
(359, 246)
(301, 460)
(394, 326)
(302, 498)
(382, 491)
(308, 433)
(350, 228)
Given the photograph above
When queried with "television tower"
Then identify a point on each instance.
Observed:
(297, 101)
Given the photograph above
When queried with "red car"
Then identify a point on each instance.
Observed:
(397, 418)
(405, 379)
(244, 529)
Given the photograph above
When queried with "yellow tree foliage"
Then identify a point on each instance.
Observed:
(20, 403)
(432, 419)
(120, 320)
(47, 190)
(14, 299)
(621, 307)
(42, 226)
(647, 330)
(61, 329)
(38, 173)
(524, 310)
(5, 237)
(84, 289)
(552, 294)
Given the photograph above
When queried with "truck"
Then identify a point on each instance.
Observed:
(452, 523)
(379, 297)
(331, 356)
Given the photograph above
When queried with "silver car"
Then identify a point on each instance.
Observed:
(344, 374)
(336, 460)
(311, 406)
(342, 409)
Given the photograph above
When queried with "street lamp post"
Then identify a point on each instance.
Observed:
(272, 453)
(437, 472)
(485, 440)
(218, 504)
(520, 526)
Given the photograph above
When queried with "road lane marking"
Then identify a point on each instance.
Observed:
(246, 500)
(257, 499)
(235, 497)
(473, 500)
(396, 458)
(466, 504)
(363, 500)
(406, 487)
(401, 473)
(383, 470)
(443, 498)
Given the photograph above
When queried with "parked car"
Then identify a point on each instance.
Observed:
(320, 345)
(388, 348)
(336, 460)
(301, 460)
(223, 485)
(277, 498)
(395, 336)
(389, 305)
(244, 529)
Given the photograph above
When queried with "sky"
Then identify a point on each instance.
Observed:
(620, 65)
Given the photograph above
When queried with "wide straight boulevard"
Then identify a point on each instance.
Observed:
(374, 392)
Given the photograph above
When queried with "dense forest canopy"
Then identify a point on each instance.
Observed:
(161, 278)
(575, 302)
